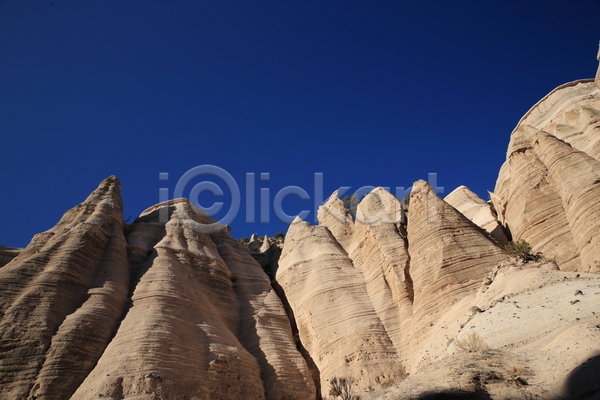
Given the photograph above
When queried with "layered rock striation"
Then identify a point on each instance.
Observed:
(477, 210)
(384, 287)
(190, 314)
(62, 299)
(547, 189)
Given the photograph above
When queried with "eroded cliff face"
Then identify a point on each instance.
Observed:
(62, 298)
(547, 190)
(190, 314)
(383, 288)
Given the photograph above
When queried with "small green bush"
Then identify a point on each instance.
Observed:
(521, 249)
(351, 202)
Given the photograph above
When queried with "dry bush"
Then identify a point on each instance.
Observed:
(472, 343)
(342, 387)
(517, 370)
(521, 249)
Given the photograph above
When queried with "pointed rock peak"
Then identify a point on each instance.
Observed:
(424, 201)
(379, 207)
(304, 241)
(335, 195)
(477, 210)
(181, 209)
(419, 186)
(103, 202)
(420, 189)
(265, 244)
(337, 218)
(297, 220)
(108, 191)
(254, 244)
(334, 209)
(461, 195)
(298, 224)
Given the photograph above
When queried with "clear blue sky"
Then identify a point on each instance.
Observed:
(375, 93)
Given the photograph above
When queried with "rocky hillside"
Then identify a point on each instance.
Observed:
(421, 303)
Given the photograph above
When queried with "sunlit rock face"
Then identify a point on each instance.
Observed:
(338, 325)
(449, 257)
(190, 314)
(547, 189)
(477, 210)
(364, 309)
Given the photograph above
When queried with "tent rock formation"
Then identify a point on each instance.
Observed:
(172, 307)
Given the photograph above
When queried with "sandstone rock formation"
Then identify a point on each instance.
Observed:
(190, 315)
(395, 284)
(8, 253)
(597, 80)
(397, 302)
(477, 210)
(337, 219)
(379, 251)
(547, 189)
(62, 299)
(449, 257)
(331, 307)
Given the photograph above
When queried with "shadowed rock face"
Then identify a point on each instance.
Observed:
(190, 315)
(62, 299)
(547, 189)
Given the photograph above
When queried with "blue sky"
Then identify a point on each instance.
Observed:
(377, 93)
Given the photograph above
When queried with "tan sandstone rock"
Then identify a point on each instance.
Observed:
(546, 189)
(449, 257)
(380, 251)
(477, 210)
(204, 323)
(8, 253)
(62, 299)
(335, 217)
(338, 326)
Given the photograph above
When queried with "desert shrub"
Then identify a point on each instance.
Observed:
(244, 240)
(279, 235)
(521, 249)
(472, 343)
(351, 202)
(406, 202)
(342, 387)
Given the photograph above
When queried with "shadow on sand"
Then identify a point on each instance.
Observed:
(583, 382)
